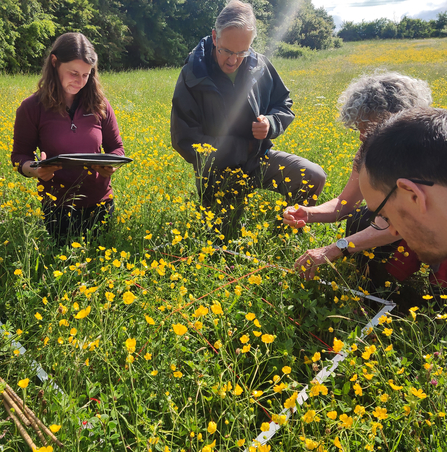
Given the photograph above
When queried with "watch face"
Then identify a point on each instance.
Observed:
(342, 244)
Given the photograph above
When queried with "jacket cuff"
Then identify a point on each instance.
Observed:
(271, 128)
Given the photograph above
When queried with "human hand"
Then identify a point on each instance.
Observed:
(308, 263)
(104, 171)
(297, 218)
(261, 128)
(45, 173)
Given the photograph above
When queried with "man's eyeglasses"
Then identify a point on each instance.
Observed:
(380, 222)
(229, 53)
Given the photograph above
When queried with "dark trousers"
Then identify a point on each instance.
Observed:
(65, 222)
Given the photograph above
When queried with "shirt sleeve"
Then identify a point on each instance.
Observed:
(111, 138)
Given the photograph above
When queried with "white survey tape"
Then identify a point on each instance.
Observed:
(324, 373)
(43, 376)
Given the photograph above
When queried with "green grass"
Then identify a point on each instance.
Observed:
(118, 364)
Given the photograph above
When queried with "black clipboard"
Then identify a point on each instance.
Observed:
(75, 160)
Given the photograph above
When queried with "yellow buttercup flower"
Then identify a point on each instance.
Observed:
(128, 297)
(179, 329)
(55, 428)
(309, 416)
(338, 345)
(149, 320)
(393, 386)
(337, 443)
(418, 393)
(130, 345)
(200, 311)
(279, 419)
(24, 383)
(290, 402)
(380, 413)
(267, 338)
(83, 313)
(346, 421)
(238, 390)
(217, 309)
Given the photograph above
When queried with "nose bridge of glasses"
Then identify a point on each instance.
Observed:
(231, 54)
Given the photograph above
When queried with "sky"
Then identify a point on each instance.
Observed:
(369, 10)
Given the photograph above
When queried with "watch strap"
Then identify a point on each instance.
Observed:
(344, 250)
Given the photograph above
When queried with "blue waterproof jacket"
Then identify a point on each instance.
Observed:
(199, 114)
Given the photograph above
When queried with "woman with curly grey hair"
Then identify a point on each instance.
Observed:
(365, 103)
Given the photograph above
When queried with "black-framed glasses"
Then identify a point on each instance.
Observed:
(229, 53)
(380, 222)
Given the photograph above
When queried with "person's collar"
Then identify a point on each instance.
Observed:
(200, 55)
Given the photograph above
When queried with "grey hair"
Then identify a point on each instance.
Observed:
(373, 98)
(236, 14)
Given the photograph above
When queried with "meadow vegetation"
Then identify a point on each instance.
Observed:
(158, 341)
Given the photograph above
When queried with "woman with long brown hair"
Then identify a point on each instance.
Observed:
(68, 114)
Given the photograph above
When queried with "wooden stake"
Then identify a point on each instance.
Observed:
(19, 426)
(34, 418)
(17, 410)
(34, 421)
(39, 433)
(44, 428)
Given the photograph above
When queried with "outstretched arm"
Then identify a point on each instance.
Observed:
(307, 263)
(334, 210)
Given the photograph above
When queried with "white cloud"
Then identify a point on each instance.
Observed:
(368, 10)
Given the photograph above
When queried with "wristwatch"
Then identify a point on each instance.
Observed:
(342, 245)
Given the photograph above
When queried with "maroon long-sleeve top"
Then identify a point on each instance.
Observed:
(55, 134)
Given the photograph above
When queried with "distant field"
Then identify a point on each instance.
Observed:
(160, 342)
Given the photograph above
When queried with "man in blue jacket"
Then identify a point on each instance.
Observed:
(231, 98)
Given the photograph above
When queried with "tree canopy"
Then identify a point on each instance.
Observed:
(149, 33)
(407, 28)
(144, 33)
